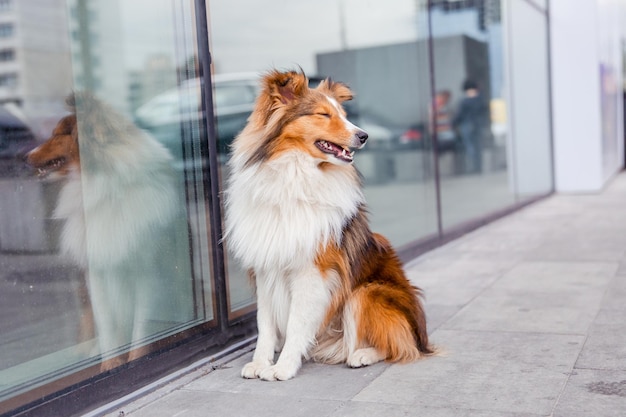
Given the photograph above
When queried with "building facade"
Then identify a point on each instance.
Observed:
(35, 67)
(113, 271)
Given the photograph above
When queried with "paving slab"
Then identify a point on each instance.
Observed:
(582, 249)
(314, 381)
(593, 393)
(223, 404)
(544, 297)
(450, 282)
(438, 314)
(489, 371)
(361, 409)
(605, 347)
(500, 243)
(463, 278)
(615, 296)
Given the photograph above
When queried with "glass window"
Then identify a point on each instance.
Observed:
(387, 67)
(491, 72)
(7, 55)
(6, 5)
(8, 80)
(104, 233)
(6, 30)
(470, 96)
(530, 110)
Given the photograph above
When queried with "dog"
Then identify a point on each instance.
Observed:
(328, 288)
(124, 225)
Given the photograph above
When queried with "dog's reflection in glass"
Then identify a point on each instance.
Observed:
(124, 225)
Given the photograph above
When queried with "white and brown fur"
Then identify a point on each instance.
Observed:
(327, 287)
(124, 223)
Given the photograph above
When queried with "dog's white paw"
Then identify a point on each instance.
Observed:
(278, 373)
(364, 357)
(253, 369)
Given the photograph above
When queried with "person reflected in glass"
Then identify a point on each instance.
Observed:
(471, 122)
(442, 121)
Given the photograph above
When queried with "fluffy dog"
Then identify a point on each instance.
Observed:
(124, 224)
(327, 287)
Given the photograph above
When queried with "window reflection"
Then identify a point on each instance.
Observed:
(104, 245)
(469, 67)
(124, 223)
(471, 121)
(381, 52)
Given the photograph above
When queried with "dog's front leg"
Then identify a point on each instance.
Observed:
(266, 323)
(309, 301)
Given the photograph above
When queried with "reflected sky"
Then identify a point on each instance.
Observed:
(253, 35)
(148, 30)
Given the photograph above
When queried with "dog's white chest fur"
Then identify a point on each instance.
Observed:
(70, 208)
(107, 217)
(280, 212)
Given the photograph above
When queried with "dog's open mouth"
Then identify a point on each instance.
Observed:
(337, 151)
(50, 166)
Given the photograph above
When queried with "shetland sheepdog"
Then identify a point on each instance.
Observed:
(328, 288)
(124, 224)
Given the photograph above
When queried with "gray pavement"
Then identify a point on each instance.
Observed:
(529, 311)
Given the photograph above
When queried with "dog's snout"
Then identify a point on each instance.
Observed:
(362, 136)
(25, 154)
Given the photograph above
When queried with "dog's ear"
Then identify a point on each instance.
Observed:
(339, 91)
(284, 87)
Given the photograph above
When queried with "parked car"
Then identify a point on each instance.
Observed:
(417, 137)
(234, 96)
(16, 139)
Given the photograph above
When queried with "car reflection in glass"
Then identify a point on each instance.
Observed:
(16, 139)
(234, 97)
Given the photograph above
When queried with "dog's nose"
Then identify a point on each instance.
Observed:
(362, 135)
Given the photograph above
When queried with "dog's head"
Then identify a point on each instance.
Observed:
(292, 116)
(58, 155)
(108, 141)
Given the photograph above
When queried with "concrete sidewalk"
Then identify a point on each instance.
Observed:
(530, 311)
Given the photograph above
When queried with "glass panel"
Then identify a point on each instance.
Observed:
(530, 88)
(471, 108)
(380, 51)
(541, 4)
(105, 251)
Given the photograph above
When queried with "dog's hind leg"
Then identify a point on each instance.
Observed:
(377, 326)
(358, 352)
(364, 357)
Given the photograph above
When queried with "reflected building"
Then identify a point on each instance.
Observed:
(97, 45)
(35, 67)
(480, 20)
(154, 78)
